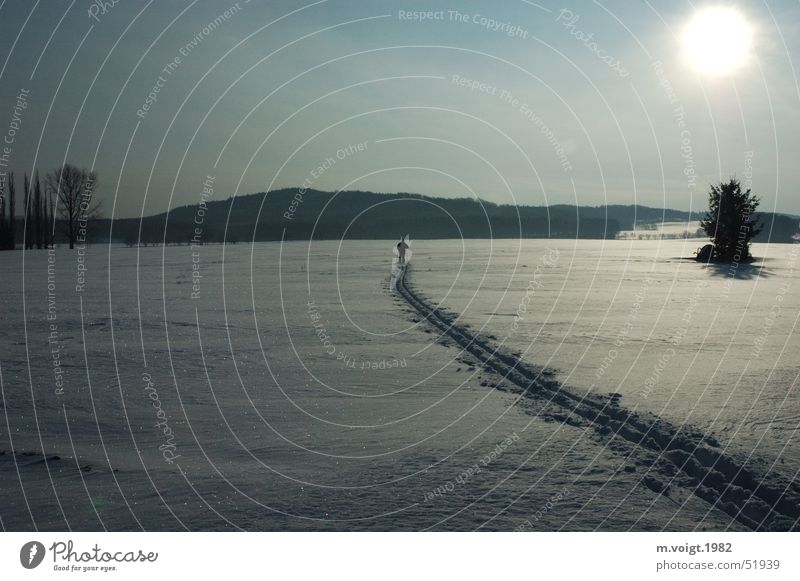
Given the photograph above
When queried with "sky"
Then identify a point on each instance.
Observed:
(514, 102)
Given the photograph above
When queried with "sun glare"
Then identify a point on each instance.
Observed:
(717, 40)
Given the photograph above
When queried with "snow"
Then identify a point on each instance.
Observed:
(299, 391)
(713, 346)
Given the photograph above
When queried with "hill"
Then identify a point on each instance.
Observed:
(295, 214)
(300, 215)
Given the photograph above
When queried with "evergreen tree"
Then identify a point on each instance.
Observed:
(731, 221)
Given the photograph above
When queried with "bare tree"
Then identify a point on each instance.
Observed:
(73, 189)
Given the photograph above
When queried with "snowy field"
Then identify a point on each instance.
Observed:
(289, 387)
(714, 346)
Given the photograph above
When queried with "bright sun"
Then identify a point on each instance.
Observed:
(717, 40)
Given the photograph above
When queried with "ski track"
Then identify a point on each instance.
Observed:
(681, 460)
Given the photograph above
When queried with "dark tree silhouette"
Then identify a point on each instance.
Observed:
(8, 224)
(12, 213)
(4, 244)
(39, 216)
(73, 189)
(28, 225)
(731, 221)
(50, 220)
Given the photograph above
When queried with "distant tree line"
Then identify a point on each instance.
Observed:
(35, 230)
(8, 224)
(292, 214)
(61, 211)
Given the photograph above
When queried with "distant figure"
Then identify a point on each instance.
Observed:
(401, 250)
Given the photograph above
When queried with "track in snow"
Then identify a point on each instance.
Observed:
(678, 460)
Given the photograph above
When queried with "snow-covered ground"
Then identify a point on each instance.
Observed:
(714, 346)
(286, 387)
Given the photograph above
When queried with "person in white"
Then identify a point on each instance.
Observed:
(401, 250)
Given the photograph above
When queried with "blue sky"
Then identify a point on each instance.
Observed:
(509, 101)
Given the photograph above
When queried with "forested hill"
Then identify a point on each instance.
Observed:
(369, 215)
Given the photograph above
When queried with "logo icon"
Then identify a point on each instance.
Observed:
(31, 554)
